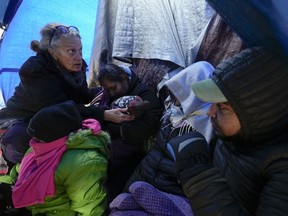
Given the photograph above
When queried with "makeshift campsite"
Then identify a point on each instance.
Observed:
(157, 37)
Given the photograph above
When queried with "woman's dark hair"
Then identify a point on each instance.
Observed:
(111, 72)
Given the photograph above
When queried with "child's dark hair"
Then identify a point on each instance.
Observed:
(111, 72)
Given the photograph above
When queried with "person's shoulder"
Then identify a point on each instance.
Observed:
(81, 159)
(33, 63)
(142, 87)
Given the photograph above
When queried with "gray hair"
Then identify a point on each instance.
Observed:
(46, 34)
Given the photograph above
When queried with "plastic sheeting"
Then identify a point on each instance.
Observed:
(8, 9)
(168, 30)
(257, 22)
(31, 16)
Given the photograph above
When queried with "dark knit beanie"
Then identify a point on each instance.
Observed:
(54, 122)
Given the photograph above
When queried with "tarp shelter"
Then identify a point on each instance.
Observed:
(166, 30)
(257, 22)
(136, 29)
(169, 29)
(24, 19)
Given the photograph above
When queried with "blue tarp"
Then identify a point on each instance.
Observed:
(31, 16)
(8, 9)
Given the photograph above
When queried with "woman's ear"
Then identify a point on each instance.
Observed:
(52, 53)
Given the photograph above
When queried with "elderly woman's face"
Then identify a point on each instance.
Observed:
(68, 53)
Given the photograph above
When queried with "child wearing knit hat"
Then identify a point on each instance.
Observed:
(55, 122)
(65, 169)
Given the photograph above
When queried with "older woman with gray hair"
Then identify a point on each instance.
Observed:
(56, 73)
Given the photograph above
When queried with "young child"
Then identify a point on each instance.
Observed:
(65, 170)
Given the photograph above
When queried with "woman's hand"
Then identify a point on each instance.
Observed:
(118, 115)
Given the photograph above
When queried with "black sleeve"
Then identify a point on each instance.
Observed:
(209, 194)
(92, 112)
(113, 129)
(147, 124)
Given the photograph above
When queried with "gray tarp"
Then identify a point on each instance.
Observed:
(163, 29)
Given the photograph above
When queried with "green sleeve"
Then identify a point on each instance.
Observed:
(84, 182)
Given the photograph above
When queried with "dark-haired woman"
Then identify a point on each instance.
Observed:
(129, 138)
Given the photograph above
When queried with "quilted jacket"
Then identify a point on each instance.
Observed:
(249, 177)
